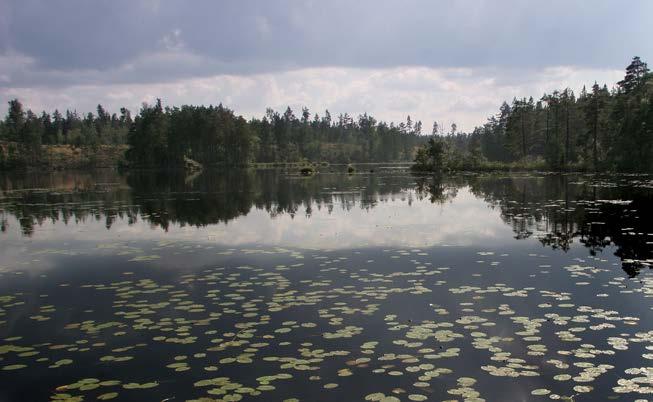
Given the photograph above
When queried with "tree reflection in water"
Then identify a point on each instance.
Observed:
(558, 210)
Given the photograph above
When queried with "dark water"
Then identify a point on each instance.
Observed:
(385, 286)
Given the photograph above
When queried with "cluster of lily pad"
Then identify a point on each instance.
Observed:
(220, 321)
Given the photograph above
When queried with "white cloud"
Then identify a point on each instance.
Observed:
(391, 223)
(466, 96)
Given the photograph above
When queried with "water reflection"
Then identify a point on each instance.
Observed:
(168, 198)
(363, 209)
(561, 209)
(232, 285)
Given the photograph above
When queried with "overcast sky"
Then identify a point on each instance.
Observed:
(448, 61)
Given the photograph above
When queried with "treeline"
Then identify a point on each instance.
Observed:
(211, 135)
(599, 129)
(215, 135)
(23, 132)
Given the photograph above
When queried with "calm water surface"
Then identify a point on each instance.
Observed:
(383, 286)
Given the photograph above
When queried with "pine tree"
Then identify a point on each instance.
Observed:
(635, 73)
(15, 120)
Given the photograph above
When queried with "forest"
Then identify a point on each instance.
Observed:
(211, 135)
(215, 135)
(599, 129)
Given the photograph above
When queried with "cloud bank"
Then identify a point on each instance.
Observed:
(446, 60)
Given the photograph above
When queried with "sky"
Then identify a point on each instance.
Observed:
(448, 60)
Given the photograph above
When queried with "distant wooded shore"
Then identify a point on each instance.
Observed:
(601, 129)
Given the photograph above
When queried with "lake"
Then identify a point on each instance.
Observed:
(379, 285)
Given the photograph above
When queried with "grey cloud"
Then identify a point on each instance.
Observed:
(161, 66)
(123, 40)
